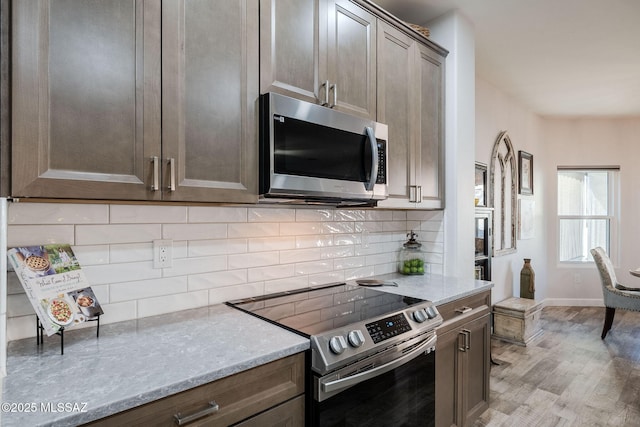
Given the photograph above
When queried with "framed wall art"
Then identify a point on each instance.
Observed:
(525, 173)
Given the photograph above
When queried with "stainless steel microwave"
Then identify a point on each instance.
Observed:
(316, 154)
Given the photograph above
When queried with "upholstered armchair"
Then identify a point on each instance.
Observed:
(615, 294)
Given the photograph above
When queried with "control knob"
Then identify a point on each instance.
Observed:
(355, 337)
(420, 315)
(431, 312)
(337, 344)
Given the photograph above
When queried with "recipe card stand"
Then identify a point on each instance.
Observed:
(40, 332)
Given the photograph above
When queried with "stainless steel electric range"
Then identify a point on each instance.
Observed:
(372, 356)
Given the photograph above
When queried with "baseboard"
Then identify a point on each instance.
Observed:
(572, 302)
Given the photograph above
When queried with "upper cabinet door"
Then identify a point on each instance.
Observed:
(291, 33)
(397, 99)
(209, 100)
(411, 102)
(351, 59)
(430, 173)
(86, 98)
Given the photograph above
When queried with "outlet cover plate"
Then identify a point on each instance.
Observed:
(162, 253)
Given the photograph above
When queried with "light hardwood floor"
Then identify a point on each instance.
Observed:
(569, 376)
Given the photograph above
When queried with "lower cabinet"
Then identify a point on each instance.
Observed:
(268, 395)
(463, 359)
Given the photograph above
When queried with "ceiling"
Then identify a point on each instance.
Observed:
(555, 57)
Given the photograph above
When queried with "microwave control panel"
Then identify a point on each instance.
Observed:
(381, 178)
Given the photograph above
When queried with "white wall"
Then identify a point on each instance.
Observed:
(455, 33)
(220, 253)
(496, 112)
(589, 142)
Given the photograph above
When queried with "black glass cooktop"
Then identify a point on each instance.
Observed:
(312, 311)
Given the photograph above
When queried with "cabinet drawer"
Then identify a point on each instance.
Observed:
(460, 306)
(238, 397)
(289, 414)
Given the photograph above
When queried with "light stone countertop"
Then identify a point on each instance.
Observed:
(433, 287)
(138, 361)
(135, 362)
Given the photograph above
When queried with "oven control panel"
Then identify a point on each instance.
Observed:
(353, 342)
(388, 327)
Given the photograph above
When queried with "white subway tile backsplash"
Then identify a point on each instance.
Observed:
(194, 231)
(253, 230)
(186, 266)
(349, 263)
(129, 252)
(258, 274)
(300, 228)
(378, 215)
(217, 279)
(271, 215)
(358, 273)
(271, 244)
(217, 214)
(217, 247)
(349, 215)
(119, 312)
(229, 293)
(300, 255)
(338, 227)
(219, 253)
(338, 252)
(92, 254)
(142, 214)
(170, 303)
(19, 305)
(314, 267)
(117, 233)
(32, 235)
(326, 278)
(288, 284)
(313, 241)
(123, 272)
(256, 259)
(313, 215)
(131, 291)
(56, 213)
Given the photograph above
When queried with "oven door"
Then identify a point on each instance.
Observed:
(400, 392)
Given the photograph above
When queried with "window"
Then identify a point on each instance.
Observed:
(587, 212)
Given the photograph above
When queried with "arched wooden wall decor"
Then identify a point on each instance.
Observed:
(502, 195)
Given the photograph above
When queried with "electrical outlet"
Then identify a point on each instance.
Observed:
(162, 253)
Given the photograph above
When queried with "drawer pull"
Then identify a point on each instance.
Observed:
(463, 310)
(182, 420)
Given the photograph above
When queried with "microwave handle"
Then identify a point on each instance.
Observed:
(374, 158)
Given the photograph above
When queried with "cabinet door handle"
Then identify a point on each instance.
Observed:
(462, 336)
(413, 193)
(172, 174)
(467, 339)
(155, 165)
(463, 310)
(325, 85)
(334, 88)
(185, 419)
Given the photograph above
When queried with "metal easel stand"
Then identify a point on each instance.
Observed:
(60, 333)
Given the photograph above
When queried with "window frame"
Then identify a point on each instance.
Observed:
(613, 210)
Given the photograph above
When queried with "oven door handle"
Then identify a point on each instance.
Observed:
(343, 383)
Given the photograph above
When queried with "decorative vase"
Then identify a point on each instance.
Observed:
(527, 280)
